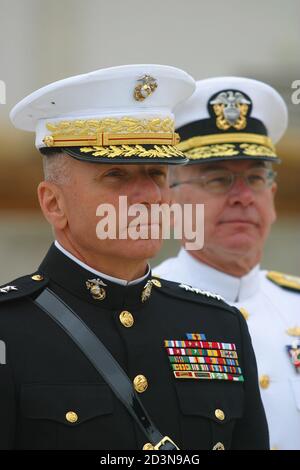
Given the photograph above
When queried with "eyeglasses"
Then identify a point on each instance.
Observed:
(221, 181)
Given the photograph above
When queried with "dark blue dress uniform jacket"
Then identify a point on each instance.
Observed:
(46, 376)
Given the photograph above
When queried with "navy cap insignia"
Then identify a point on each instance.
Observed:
(231, 109)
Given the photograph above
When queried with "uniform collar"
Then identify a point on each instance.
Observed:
(116, 280)
(233, 289)
(72, 275)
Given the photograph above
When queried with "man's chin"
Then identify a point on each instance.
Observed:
(239, 234)
(240, 243)
(142, 249)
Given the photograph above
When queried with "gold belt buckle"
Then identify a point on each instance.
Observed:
(163, 441)
(160, 444)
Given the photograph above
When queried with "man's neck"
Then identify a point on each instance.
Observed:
(236, 266)
(121, 269)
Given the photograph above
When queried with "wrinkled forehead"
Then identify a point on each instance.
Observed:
(235, 166)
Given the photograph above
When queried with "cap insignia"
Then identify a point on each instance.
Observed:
(231, 109)
(145, 88)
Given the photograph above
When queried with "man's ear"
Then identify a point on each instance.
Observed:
(273, 192)
(51, 200)
(274, 188)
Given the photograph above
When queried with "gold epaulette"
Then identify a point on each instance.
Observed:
(284, 280)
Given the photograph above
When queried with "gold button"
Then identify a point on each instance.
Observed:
(264, 381)
(126, 319)
(140, 383)
(71, 417)
(37, 277)
(218, 446)
(294, 331)
(245, 313)
(148, 446)
(220, 414)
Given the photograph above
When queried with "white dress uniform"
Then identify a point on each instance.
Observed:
(271, 311)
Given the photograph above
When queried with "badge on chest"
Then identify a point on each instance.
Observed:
(294, 353)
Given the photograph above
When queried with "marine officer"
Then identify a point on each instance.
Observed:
(98, 352)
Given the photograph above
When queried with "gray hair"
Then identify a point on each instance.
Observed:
(56, 168)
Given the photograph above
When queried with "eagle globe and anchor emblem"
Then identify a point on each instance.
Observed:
(145, 87)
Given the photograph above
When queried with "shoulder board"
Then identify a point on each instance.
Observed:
(23, 287)
(284, 280)
(187, 292)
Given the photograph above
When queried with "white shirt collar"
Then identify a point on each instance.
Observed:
(116, 280)
(233, 289)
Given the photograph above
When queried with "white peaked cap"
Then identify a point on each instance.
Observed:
(118, 110)
(265, 115)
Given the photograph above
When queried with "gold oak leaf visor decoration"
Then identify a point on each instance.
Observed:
(125, 140)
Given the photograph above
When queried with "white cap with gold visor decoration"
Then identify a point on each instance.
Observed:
(116, 115)
(230, 118)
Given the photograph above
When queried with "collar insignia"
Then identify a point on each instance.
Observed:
(96, 288)
(148, 288)
(147, 291)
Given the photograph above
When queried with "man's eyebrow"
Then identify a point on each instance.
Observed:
(216, 166)
(103, 168)
(260, 164)
(211, 166)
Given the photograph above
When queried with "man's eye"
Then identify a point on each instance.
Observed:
(114, 174)
(255, 177)
(220, 180)
(158, 173)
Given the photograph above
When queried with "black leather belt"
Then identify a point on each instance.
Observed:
(105, 364)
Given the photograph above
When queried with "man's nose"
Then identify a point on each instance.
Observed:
(146, 191)
(240, 193)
